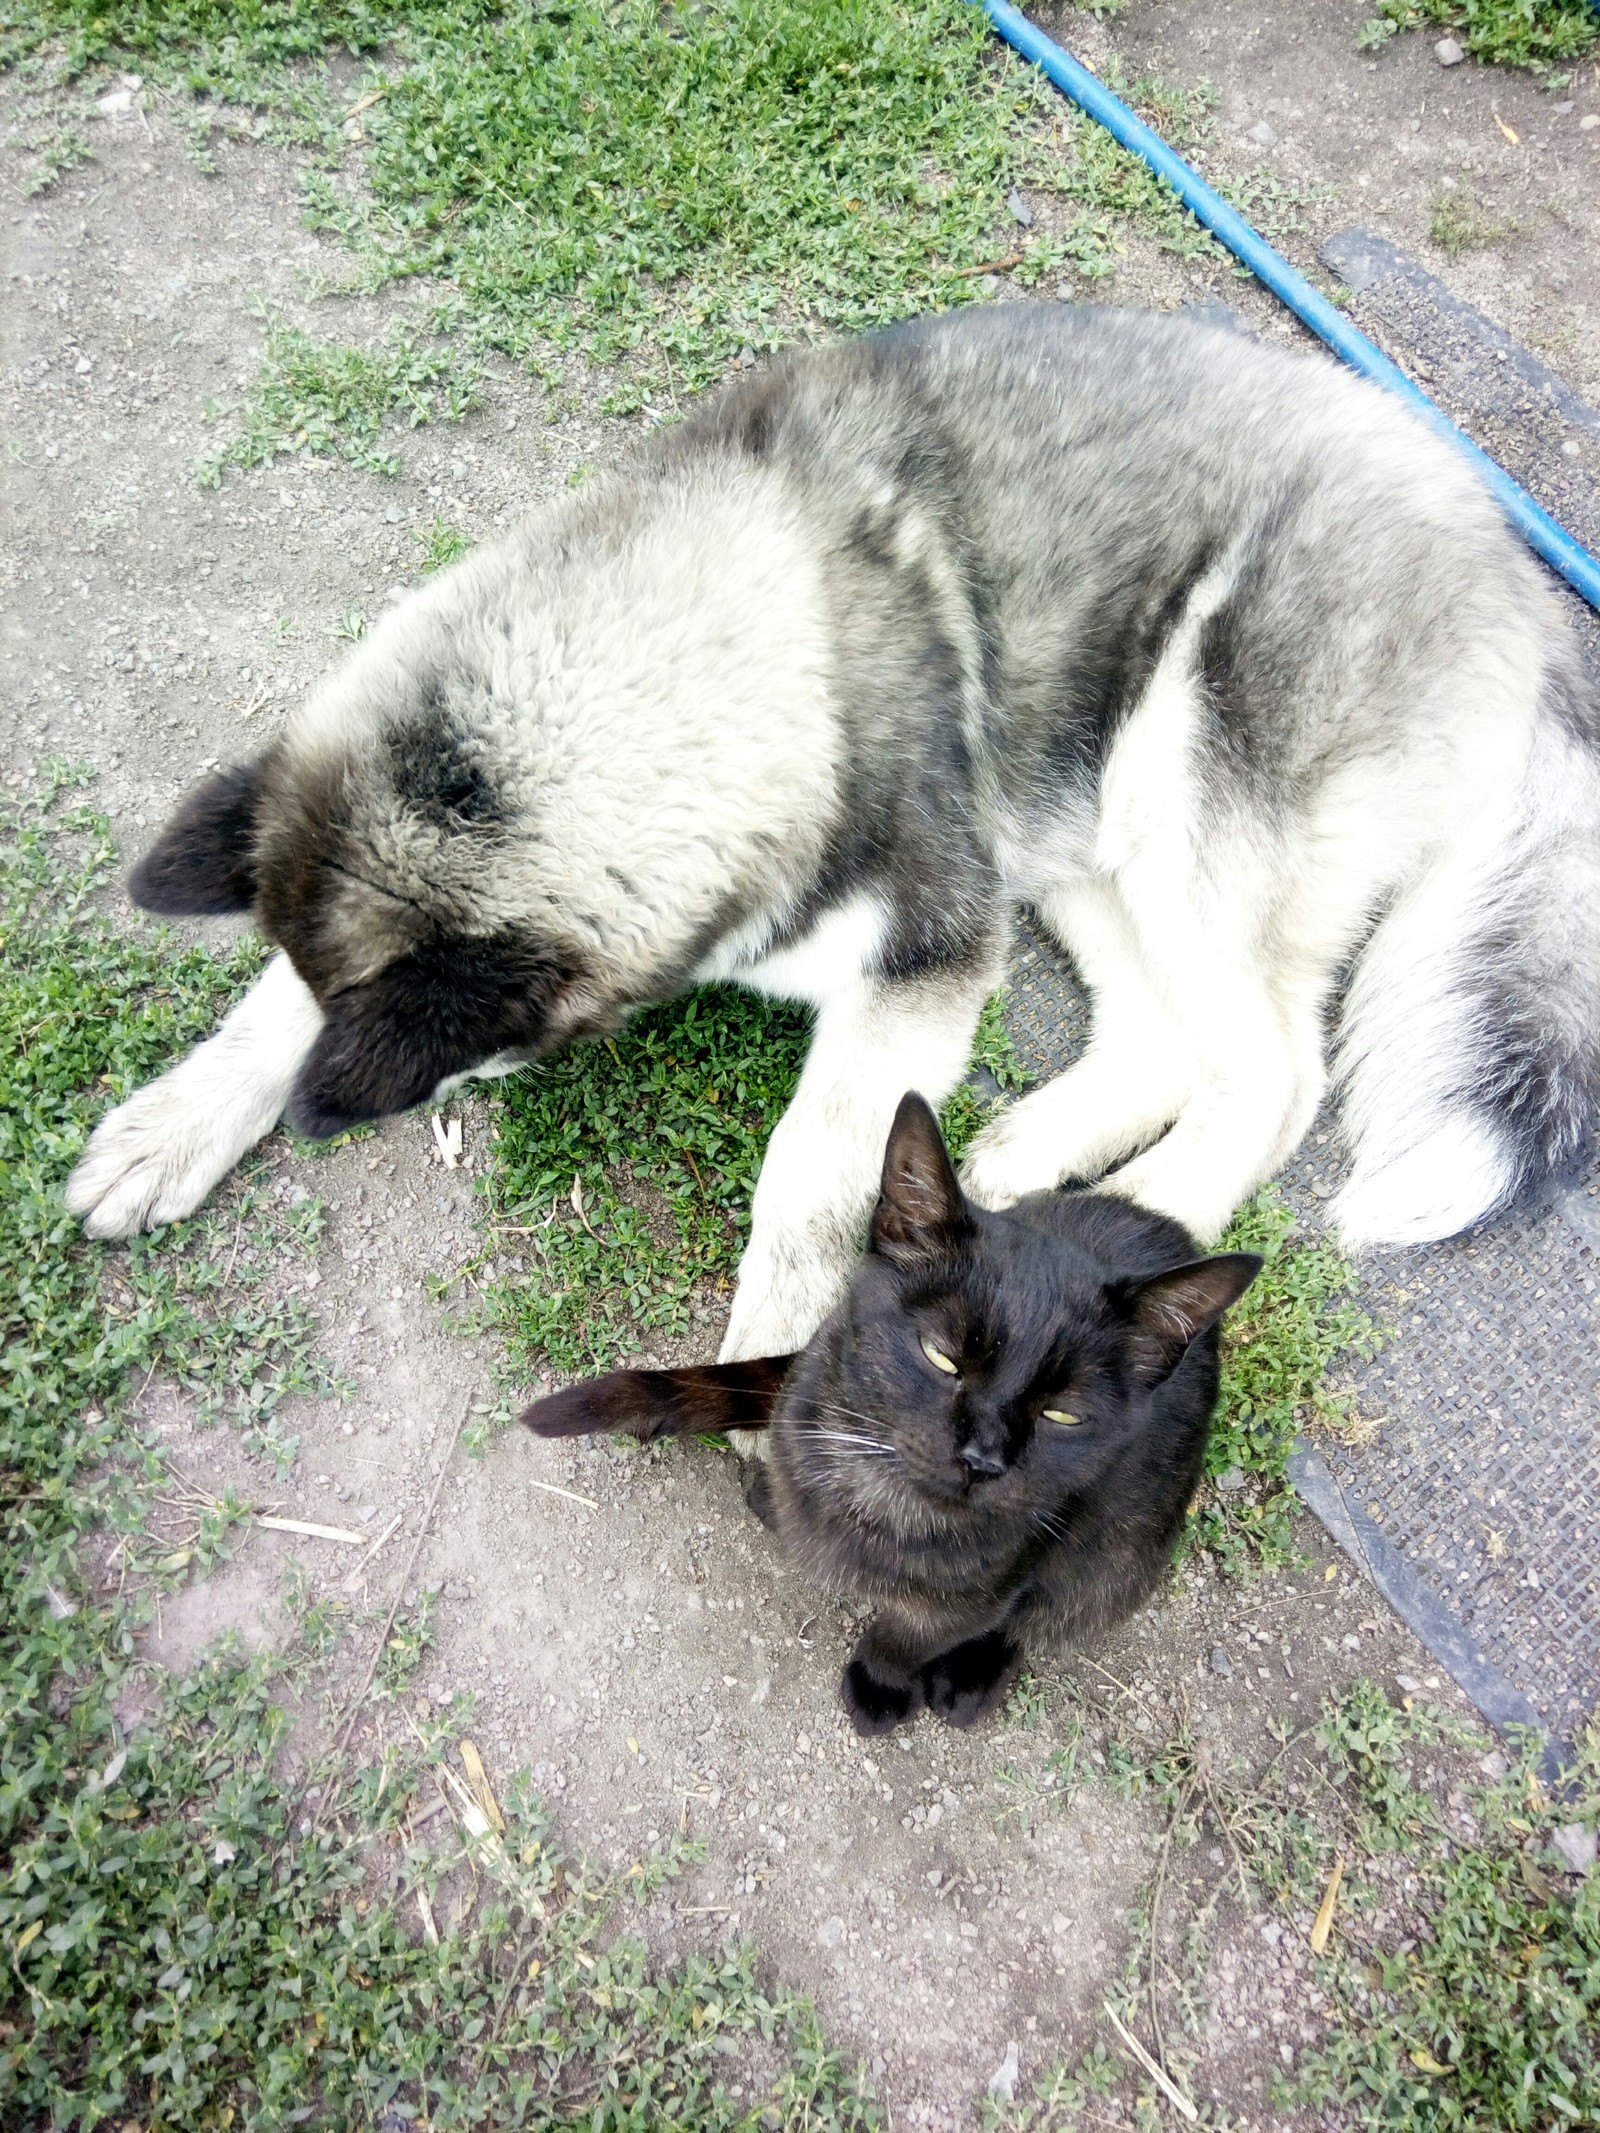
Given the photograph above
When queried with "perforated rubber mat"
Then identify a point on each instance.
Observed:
(1476, 1508)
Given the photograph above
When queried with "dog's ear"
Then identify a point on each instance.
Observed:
(203, 863)
(443, 1007)
(665, 1403)
(920, 1211)
(1171, 1310)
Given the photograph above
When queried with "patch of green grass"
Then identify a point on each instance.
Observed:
(1279, 1343)
(1487, 2011)
(657, 187)
(1508, 33)
(45, 124)
(1460, 1988)
(440, 545)
(192, 1940)
(243, 56)
(327, 399)
(616, 1229)
(1458, 224)
(662, 187)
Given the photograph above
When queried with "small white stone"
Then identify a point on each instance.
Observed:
(1589, 123)
(1263, 135)
(1576, 1846)
(1003, 2081)
(1448, 52)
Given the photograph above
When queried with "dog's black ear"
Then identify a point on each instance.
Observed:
(1171, 1310)
(204, 863)
(920, 1211)
(443, 1007)
(665, 1403)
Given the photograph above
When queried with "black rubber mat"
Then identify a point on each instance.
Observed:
(1476, 1507)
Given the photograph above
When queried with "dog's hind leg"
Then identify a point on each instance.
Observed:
(1127, 1088)
(155, 1157)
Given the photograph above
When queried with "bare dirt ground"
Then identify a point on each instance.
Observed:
(636, 1641)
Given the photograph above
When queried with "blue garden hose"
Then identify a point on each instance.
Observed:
(1574, 562)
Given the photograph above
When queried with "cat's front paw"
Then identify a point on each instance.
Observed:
(758, 1493)
(965, 1684)
(877, 1698)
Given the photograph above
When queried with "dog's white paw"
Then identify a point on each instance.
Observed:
(152, 1160)
(1006, 1161)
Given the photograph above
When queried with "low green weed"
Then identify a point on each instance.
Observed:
(1457, 223)
(326, 399)
(440, 545)
(1508, 33)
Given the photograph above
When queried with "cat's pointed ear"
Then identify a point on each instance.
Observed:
(665, 1403)
(1173, 1309)
(920, 1211)
(203, 863)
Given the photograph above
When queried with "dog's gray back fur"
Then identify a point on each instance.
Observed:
(1044, 603)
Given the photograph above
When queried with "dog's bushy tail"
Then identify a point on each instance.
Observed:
(1469, 1056)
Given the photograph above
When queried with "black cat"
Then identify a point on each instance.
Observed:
(994, 1438)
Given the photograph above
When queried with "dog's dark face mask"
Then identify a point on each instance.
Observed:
(439, 1002)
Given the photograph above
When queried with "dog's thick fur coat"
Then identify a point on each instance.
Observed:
(1213, 654)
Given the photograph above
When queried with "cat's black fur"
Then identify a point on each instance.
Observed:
(970, 1521)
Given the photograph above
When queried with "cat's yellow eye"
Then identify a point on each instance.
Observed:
(937, 1357)
(1060, 1414)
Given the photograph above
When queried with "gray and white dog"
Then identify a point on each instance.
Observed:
(1212, 654)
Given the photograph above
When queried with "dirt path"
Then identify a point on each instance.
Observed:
(636, 1641)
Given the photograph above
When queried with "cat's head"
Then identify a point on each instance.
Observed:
(985, 1358)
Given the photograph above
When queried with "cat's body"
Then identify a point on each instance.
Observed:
(1031, 1485)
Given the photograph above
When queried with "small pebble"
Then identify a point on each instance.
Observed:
(1590, 123)
(1563, 107)
(1220, 1662)
(1020, 210)
(1263, 135)
(831, 1932)
(1448, 52)
(1576, 1846)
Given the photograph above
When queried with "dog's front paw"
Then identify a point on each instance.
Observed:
(878, 1696)
(966, 1683)
(1005, 1162)
(151, 1160)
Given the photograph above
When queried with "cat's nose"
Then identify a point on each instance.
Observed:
(981, 1465)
